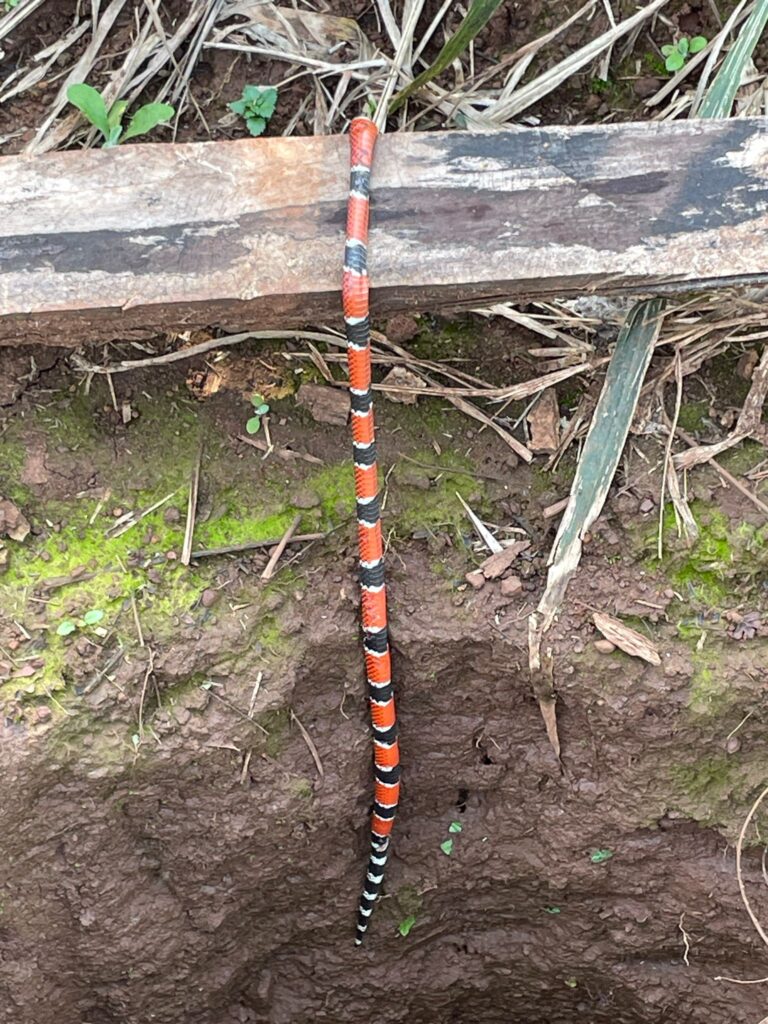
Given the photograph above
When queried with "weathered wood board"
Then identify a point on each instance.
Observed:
(104, 244)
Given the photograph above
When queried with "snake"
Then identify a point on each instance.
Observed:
(373, 596)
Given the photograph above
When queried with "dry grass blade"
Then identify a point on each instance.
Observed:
(531, 93)
(599, 459)
(481, 529)
(626, 639)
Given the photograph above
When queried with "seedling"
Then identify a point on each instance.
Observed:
(455, 826)
(601, 856)
(8, 5)
(260, 408)
(91, 104)
(91, 618)
(677, 54)
(447, 847)
(405, 925)
(256, 106)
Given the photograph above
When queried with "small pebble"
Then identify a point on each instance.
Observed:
(475, 579)
(43, 714)
(172, 515)
(604, 646)
(209, 598)
(171, 556)
(645, 87)
(117, 512)
(646, 505)
(733, 744)
(511, 585)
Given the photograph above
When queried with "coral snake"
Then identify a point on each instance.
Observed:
(363, 133)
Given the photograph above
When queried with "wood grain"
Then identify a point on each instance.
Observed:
(117, 243)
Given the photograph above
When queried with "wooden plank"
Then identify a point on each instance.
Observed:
(112, 243)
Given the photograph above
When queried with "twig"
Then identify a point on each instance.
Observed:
(147, 674)
(137, 620)
(282, 453)
(269, 570)
(310, 744)
(686, 940)
(483, 533)
(195, 350)
(130, 519)
(253, 545)
(186, 551)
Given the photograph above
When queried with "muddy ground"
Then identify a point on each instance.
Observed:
(187, 779)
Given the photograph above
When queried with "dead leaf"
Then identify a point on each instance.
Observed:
(629, 640)
(13, 522)
(325, 405)
(399, 377)
(544, 422)
(496, 565)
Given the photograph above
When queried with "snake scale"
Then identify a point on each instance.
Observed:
(363, 133)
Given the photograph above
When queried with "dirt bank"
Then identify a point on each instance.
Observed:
(187, 776)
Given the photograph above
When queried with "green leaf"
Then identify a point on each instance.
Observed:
(239, 107)
(476, 18)
(114, 136)
(90, 103)
(148, 117)
(719, 97)
(447, 847)
(66, 627)
(262, 410)
(116, 112)
(267, 103)
(257, 399)
(600, 856)
(552, 910)
(682, 46)
(136, 740)
(92, 617)
(674, 61)
(667, 49)
(571, 982)
(405, 925)
(455, 826)
(253, 425)
(256, 125)
(697, 44)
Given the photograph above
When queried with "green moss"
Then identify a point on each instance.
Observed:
(709, 693)
(277, 723)
(445, 339)
(692, 416)
(701, 788)
(301, 789)
(655, 65)
(409, 901)
(742, 458)
(724, 556)
(412, 508)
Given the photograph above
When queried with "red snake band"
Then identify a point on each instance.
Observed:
(386, 754)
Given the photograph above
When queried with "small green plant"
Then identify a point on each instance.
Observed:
(256, 106)
(406, 924)
(8, 5)
(455, 826)
(91, 618)
(91, 104)
(601, 856)
(260, 408)
(447, 847)
(676, 54)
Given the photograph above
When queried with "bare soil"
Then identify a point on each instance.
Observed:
(173, 852)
